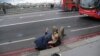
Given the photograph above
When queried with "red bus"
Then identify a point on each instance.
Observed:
(90, 8)
(70, 5)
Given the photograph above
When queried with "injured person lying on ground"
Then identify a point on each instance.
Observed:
(49, 40)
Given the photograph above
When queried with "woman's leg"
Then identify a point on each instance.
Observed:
(61, 32)
(46, 31)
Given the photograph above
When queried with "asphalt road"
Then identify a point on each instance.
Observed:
(19, 31)
(14, 28)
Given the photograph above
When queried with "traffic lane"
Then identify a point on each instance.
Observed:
(38, 13)
(93, 30)
(39, 29)
(23, 45)
(27, 10)
(28, 43)
(26, 14)
(24, 31)
(85, 25)
(12, 23)
(39, 17)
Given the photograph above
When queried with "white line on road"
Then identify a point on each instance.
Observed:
(24, 17)
(68, 26)
(42, 20)
(31, 16)
(7, 43)
(85, 28)
(1, 19)
(33, 13)
(21, 17)
(43, 12)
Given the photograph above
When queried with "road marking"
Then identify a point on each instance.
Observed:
(7, 43)
(41, 20)
(31, 16)
(33, 13)
(24, 17)
(59, 13)
(1, 19)
(21, 17)
(68, 26)
(85, 28)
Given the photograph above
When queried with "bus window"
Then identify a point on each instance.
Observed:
(88, 3)
(98, 4)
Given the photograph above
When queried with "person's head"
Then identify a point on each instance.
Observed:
(56, 36)
(54, 30)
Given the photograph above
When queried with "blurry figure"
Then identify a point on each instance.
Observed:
(51, 6)
(4, 8)
(48, 40)
(61, 32)
(55, 40)
(55, 54)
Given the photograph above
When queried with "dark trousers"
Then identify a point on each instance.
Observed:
(4, 10)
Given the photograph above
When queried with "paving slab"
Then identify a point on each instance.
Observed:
(83, 42)
(91, 49)
(48, 52)
(30, 54)
(64, 48)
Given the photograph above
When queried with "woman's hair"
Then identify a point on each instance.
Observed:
(54, 30)
(61, 32)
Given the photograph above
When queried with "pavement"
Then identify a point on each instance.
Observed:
(18, 32)
(92, 48)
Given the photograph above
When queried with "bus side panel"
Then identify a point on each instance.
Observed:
(92, 13)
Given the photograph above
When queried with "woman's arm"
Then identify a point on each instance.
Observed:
(46, 32)
(52, 41)
(51, 44)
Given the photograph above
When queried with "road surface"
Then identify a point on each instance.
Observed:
(19, 31)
